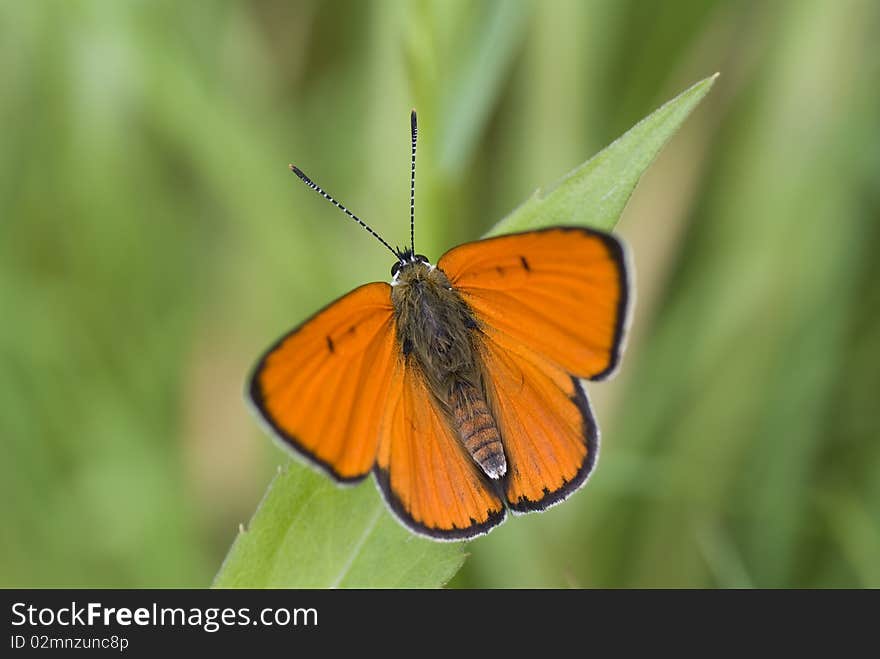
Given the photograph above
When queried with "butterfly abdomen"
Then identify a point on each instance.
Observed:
(477, 430)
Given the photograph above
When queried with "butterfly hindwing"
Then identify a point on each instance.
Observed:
(562, 291)
(550, 437)
(424, 472)
(322, 387)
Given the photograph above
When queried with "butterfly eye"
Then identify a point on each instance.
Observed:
(422, 258)
(395, 268)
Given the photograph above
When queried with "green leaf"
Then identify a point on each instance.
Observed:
(308, 532)
(595, 193)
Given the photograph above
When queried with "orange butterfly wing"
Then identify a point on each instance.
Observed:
(550, 437)
(322, 387)
(424, 472)
(553, 307)
(562, 291)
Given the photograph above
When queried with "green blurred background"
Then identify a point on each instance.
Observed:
(153, 242)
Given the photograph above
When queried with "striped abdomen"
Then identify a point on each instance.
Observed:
(477, 430)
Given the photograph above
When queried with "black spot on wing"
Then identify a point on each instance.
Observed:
(525, 264)
(330, 345)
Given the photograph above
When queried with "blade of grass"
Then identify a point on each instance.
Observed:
(309, 533)
(595, 193)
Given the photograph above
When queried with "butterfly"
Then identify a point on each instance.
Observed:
(457, 384)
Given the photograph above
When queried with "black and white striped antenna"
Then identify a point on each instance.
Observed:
(412, 183)
(314, 186)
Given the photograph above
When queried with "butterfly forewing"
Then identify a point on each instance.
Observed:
(322, 388)
(561, 291)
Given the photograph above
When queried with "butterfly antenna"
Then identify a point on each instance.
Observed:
(314, 186)
(412, 183)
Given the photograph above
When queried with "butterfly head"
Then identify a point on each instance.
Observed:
(406, 261)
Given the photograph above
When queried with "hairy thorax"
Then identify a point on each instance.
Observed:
(434, 326)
